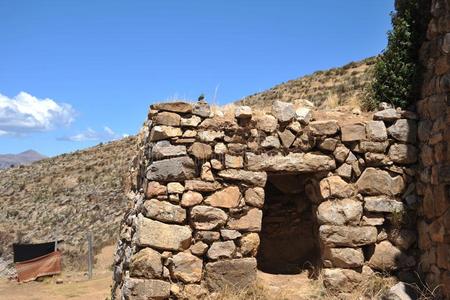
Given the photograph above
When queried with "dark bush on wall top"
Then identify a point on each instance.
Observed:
(397, 73)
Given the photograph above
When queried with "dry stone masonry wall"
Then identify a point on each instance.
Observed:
(200, 185)
(433, 184)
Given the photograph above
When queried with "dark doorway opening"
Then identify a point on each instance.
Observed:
(289, 237)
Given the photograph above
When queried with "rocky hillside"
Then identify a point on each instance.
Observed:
(24, 158)
(65, 197)
(326, 89)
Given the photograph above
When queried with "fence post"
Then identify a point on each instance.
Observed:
(90, 258)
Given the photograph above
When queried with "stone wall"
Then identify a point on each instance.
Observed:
(200, 181)
(433, 183)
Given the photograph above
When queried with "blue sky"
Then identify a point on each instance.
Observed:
(100, 64)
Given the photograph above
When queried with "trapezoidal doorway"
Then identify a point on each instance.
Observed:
(289, 235)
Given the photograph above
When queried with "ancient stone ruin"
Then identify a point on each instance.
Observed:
(219, 197)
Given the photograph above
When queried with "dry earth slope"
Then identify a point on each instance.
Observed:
(64, 197)
(334, 87)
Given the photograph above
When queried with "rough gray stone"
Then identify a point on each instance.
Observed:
(382, 204)
(353, 132)
(200, 150)
(293, 162)
(340, 212)
(164, 211)
(221, 250)
(379, 182)
(283, 111)
(404, 131)
(164, 149)
(164, 132)
(249, 221)
(202, 109)
(255, 178)
(328, 127)
(243, 112)
(178, 107)
(389, 114)
(193, 121)
(229, 234)
(162, 236)
(254, 197)
(144, 289)
(376, 131)
(210, 135)
(403, 153)
(335, 187)
(186, 267)
(207, 218)
(342, 280)
(344, 257)
(271, 142)
(167, 118)
(266, 123)
(235, 273)
(286, 137)
(201, 186)
(347, 236)
(303, 115)
(388, 258)
(146, 263)
(173, 169)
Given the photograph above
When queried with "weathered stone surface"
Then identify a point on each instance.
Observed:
(194, 291)
(345, 171)
(286, 137)
(283, 111)
(377, 147)
(389, 114)
(271, 142)
(328, 144)
(372, 220)
(201, 186)
(167, 118)
(200, 150)
(178, 107)
(256, 178)
(162, 236)
(387, 257)
(335, 187)
(221, 250)
(328, 127)
(191, 198)
(382, 204)
(202, 109)
(164, 132)
(229, 234)
(226, 198)
(303, 115)
(243, 112)
(376, 159)
(234, 162)
(341, 153)
(236, 273)
(210, 135)
(144, 289)
(186, 267)
(249, 244)
(220, 148)
(254, 197)
(342, 280)
(266, 123)
(340, 212)
(164, 211)
(173, 169)
(344, 257)
(155, 189)
(193, 121)
(175, 188)
(353, 132)
(378, 182)
(293, 162)
(376, 131)
(199, 248)
(403, 153)
(206, 172)
(207, 218)
(249, 221)
(164, 149)
(146, 263)
(403, 238)
(404, 130)
(207, 236)
(347, 236)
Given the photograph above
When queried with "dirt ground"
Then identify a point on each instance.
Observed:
(75, 285)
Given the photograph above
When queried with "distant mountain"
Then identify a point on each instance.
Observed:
(24, 158)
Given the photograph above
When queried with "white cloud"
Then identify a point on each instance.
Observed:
(25, 114)
(91, 135)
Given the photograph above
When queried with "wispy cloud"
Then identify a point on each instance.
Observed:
(107, 134)
(25, 114)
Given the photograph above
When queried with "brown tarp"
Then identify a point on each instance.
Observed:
(48, 264)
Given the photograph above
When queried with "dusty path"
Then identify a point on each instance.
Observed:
(75, 284)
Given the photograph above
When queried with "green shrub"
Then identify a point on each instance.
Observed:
(397, 73)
